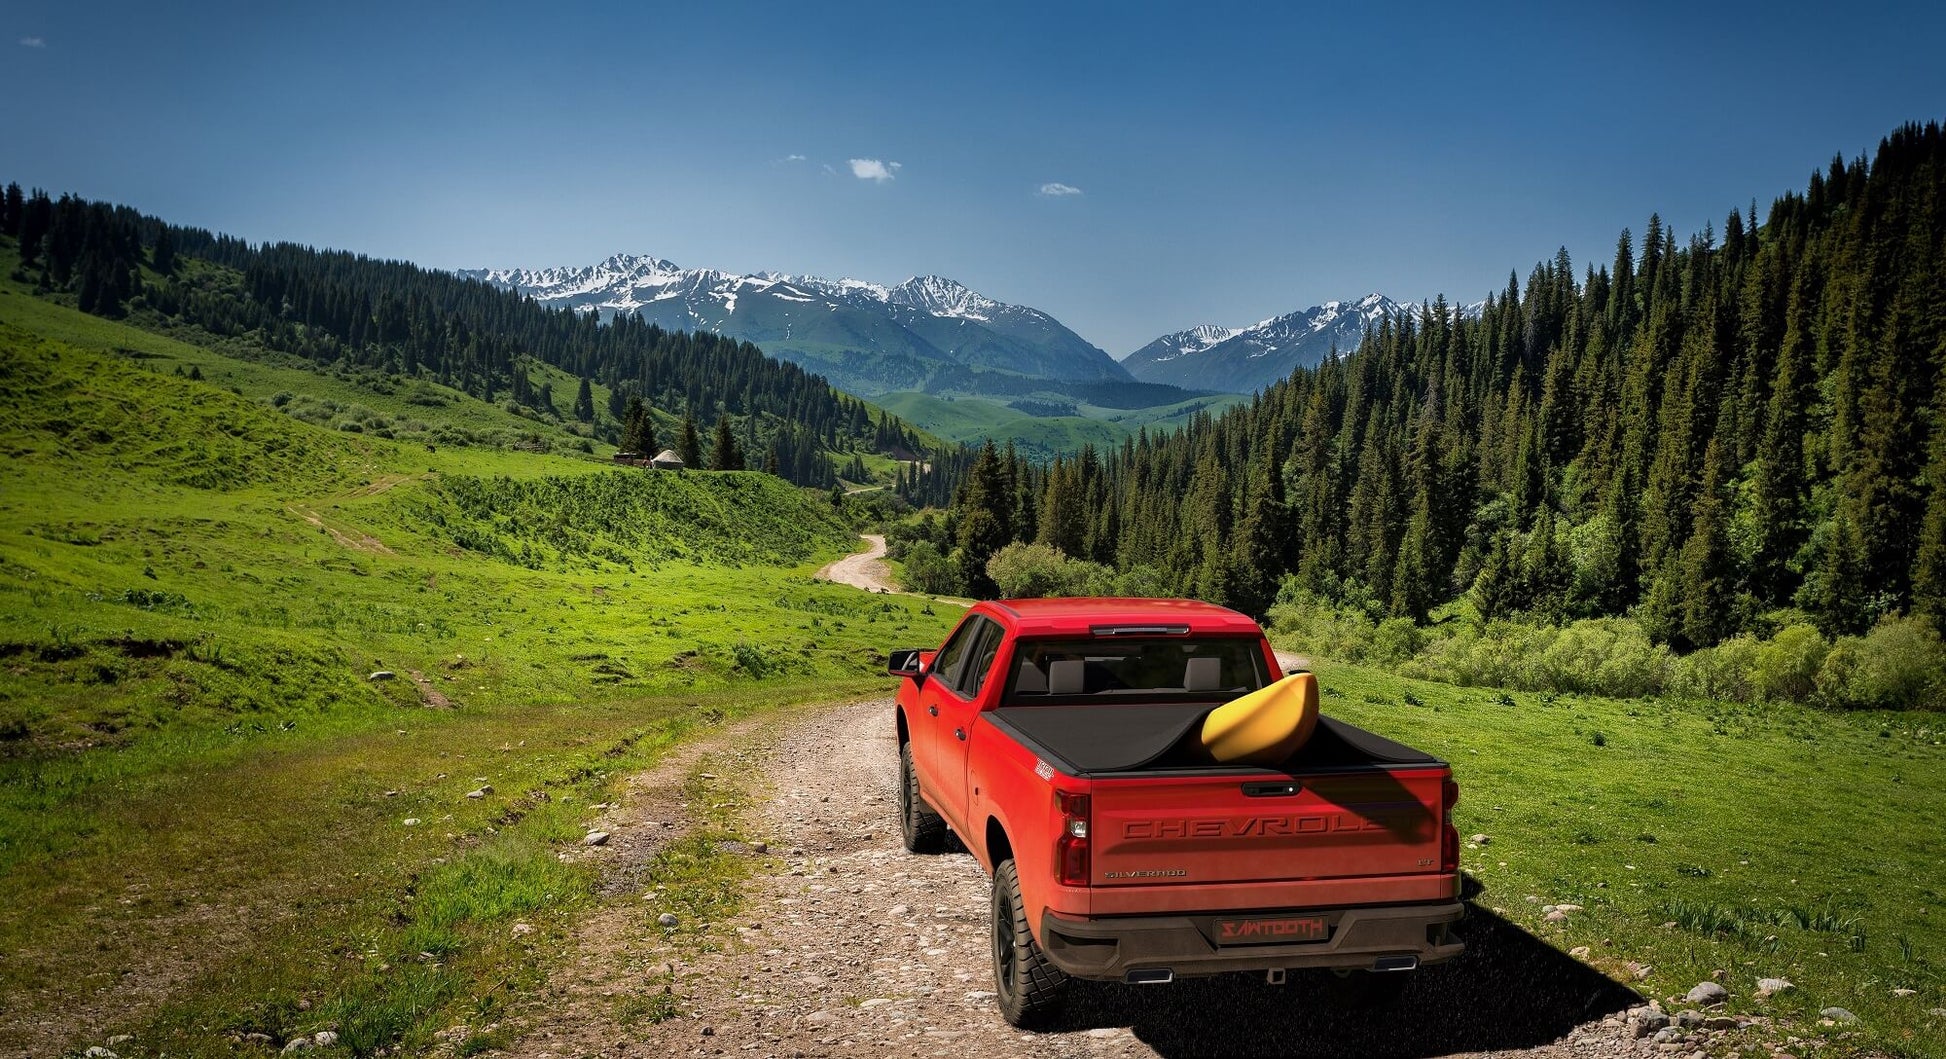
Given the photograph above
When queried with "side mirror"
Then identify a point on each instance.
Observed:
(906, 662)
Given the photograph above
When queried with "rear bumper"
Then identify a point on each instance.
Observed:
(1108, 948)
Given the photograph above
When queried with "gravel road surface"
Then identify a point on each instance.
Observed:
(848, 946)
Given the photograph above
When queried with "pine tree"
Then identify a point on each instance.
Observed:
(690, 448)
(723, 451)
(634, 421)
(1705, 574)
(1495, 592)
(981, 531)
(1546, 575)
(1836, 593)
(584, 402)
(163, 257)
(1260, 546)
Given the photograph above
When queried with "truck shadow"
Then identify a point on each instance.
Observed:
(1508, 990)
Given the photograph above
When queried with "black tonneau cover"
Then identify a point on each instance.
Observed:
(1094, 739)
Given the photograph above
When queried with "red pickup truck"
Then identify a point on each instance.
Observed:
(1054, 737)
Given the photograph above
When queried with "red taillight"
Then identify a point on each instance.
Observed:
(1071, 849)
(1449, 844)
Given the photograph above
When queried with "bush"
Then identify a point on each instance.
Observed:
(1726, 671)
(1322, 630)
(1029, 570)
(1897, 665)
(1603, 656)
(1787, 666)
(1140, 581)
(1394, 641)
(926, 570)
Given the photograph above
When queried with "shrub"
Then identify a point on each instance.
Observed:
(1726, 671)
(1140, 581)
(1029, 570)
(926, 570)
(1322, 630)
(1394, 641)
(1787, 666)
(1498, 653)
(1602, 656)
(1897, 665)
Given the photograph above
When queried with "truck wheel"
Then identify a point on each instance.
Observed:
(1029, 988)
(924, 831)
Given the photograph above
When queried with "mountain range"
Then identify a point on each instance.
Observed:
(866, 338)
(933, 334)
(1246, 359)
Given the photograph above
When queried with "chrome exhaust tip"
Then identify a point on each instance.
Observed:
(1149, 976)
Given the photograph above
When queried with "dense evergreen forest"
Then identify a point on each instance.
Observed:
(1698, 434)
(340, 309)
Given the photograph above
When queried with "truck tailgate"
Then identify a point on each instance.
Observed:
(1231, 827)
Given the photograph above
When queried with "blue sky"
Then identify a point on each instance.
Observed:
(1227, 162)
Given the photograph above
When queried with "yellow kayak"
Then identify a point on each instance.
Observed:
(1266, 726)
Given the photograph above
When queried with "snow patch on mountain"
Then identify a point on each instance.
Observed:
(1245, 359)
(871, 338)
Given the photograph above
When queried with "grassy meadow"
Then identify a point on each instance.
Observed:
(203, 793)
(1757, 840)
(204, 796)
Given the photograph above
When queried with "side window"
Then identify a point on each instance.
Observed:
(952, 657)
(980, 665)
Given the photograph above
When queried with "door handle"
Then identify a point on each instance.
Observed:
(960, 733)
(934, 710)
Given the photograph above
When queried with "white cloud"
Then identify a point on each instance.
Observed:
(1055, 190)
(33, 42)
(793, 158)
(874, 170)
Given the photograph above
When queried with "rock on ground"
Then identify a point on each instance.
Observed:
(846, 946)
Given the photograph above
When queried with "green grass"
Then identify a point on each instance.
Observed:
(1163, 418)
(202, 795)
(1779, 841)
(418, 410)
(970, 419)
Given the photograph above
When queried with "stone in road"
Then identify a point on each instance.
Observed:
(848, 946)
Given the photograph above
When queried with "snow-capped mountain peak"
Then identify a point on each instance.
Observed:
(864, 336)
(1244, 359)
(943, 297)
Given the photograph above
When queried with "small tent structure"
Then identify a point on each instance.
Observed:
(667, 460)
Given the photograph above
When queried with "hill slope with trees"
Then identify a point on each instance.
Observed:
(400, 321)
(1701, 434)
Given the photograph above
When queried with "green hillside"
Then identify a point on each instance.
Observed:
(196, 590)
(972, 419)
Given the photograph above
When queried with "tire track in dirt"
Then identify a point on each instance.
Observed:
(848, 946)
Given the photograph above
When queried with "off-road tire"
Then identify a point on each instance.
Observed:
(923, 830)
(1030, 990)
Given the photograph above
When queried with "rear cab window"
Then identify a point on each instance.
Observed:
(1073, 671)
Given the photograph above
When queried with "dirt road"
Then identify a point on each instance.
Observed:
(866, 569)
(848, 946)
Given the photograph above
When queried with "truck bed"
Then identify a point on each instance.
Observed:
(1107, 741)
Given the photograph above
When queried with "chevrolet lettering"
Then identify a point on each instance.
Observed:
(1317, 824)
